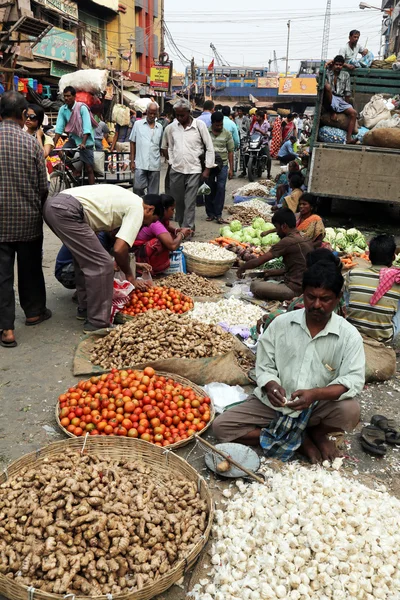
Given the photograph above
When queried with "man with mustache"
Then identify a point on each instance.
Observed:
(310, 366)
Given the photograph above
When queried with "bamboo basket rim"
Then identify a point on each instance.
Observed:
(210, 261)
(179, 379)
(167, 463)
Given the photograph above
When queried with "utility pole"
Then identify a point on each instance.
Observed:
(327, 28)
(162, 36)
(287, 47)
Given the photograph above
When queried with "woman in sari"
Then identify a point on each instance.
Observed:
(310, 225)
(288, 128)
(154, 242)
(276, 141)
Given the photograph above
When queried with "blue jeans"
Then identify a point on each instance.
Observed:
(216, 200)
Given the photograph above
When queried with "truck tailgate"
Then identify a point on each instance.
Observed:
(355, 173)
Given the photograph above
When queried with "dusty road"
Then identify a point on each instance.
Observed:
(39, 369)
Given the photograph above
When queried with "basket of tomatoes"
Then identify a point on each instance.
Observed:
(160, 408)
(157, 298)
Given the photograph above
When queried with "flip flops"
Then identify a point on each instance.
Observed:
(373, 440)
(389, 427)
(5, 344)
(43, 317)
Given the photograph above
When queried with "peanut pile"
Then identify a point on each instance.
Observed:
(191, 284)
(91, 526)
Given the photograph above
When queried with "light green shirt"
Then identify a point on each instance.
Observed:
(223, 144)
(287, 354)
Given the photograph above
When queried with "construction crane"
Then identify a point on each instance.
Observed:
(275, 66)
(218, 58)
(327, 28)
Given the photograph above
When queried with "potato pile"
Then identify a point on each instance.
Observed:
(91, 526)
(159, 335)
(192, 284)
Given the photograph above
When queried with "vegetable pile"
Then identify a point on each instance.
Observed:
(255, 189)
(342, 240)
(153, 337)
(260, 206)
(306, 534)
(245, 213)
(88, 526)
(207, 251)
(251, 235)
(134, 404)
(232, 312)
(157, 298)
(192, 284)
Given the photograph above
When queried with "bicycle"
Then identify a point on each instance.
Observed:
(63, 176)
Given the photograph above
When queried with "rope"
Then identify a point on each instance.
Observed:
(84, 443)
(166, 452)
(31, 591)
(72, 596)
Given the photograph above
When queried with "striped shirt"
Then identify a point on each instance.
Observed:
(376, 321)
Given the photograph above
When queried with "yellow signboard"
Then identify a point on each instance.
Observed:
(160, 76)
(297, 86)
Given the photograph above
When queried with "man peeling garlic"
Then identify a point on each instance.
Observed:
(310, 365)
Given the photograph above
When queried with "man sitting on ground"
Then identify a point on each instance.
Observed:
(373, 294)
(286, 154)
(310, 365)
(293, 248)
(337, 94)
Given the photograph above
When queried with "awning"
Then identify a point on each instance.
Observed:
(34, 64)
(130, 98)
(261, 104)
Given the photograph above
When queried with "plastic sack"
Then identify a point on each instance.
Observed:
(204, 190)
(121, 115)
(142, 104)
(225, 396)
(391, 59)
(376, 110)
(85, 80)
(87, 98)
(394, 121)
(332, 135)
(177, 262)
(383, 138)
(121, 291)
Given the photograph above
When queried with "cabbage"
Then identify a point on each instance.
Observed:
(264, 241)
(250, 231)
(247, 238)
(236, 226)
(270, 239)
(259, 223)
(225, 231)
(237, 235)
(268, 226)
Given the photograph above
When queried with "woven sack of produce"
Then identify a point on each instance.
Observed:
(394, 121)
(380, 361)
(342, 121)
(121, 115)
(331, 135)
(283, 112)
(383, 138)
(381, 64)
(375, 111)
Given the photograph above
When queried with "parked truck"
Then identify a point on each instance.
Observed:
(356, 172)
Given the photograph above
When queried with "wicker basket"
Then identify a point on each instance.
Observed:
(161, 463)
(175, 446)
(208, 268)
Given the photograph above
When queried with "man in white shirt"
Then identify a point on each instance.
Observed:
(186, 140)
(351, 51)
(75, 219)
(145, 139)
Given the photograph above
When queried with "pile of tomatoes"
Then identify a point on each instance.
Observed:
(135, 404)
(157, 298)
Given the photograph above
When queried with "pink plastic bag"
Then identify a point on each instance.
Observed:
(121, 292)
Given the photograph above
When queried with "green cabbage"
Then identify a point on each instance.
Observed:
(237, 235)
(225, 231)
(259, 223)
(268, 226)
(270, 239)
(236, 226)
(249, 231)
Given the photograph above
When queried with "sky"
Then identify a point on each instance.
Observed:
(249, 33)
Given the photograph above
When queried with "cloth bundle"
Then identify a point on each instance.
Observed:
(374, 111)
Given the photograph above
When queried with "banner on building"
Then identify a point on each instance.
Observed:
(112, 4)
(297, 86)
(66, 7)
(268, 82)
(58, 69)
(58, 45)
(160, 76)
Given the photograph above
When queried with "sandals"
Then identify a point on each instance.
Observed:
(210, 219)
(389, 427)
(43, 317)
(373, 440)
(5, 344)
(222, 221)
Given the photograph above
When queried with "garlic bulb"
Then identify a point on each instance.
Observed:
(309, 534)
(232, 311)
(210, 252)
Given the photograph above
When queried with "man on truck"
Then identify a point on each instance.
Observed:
(351, 51)
(337, 94)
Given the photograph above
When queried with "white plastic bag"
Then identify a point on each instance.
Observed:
(121, 115)
(225, 396)
(177, 262)
(121, 291)
(85, 80)
(142, 104)
(394, 121)
(204, 190)
(376, 110)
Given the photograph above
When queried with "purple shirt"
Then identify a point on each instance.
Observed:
(264, 129)
(205, 117)
(148, 232)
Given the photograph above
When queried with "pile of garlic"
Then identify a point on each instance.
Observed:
(261, 206)
(306, 534)
(232, 312)
(207, 251)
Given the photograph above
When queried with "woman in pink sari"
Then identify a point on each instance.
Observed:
(288, 128)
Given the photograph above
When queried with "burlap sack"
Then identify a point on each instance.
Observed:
(380, 361)
(342, 121)
(383, 138)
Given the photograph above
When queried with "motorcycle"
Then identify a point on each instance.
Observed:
(256, 156)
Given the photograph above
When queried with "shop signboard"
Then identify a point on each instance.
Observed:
(58, 45)
(66, 7)
(160, 76)
(58, 69)
(297, 86)
(268, 82)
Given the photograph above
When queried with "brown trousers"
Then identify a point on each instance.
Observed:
(253, 414)
(94, 268)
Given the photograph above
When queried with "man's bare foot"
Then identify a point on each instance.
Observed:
(310, 450)
(326, 447)
(7, 336)
(351, 141)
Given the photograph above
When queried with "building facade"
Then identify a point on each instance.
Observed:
(391, 26)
